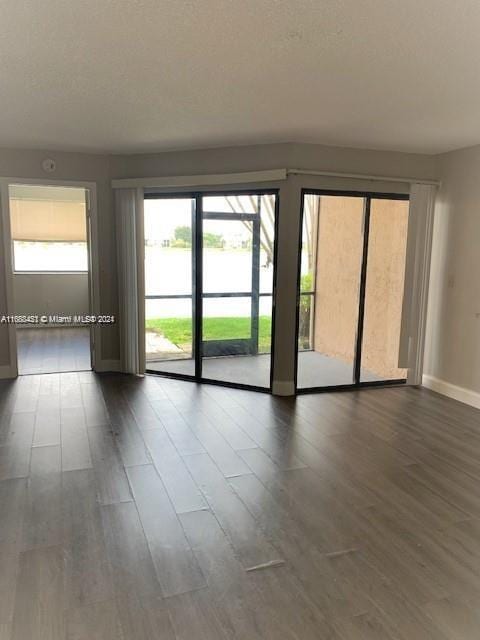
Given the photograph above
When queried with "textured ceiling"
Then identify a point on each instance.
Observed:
(139, 75)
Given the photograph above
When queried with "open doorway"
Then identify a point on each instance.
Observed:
(49, 231)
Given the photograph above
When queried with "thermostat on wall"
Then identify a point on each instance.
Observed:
(49, 165)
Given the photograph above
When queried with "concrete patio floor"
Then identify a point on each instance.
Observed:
(314, 370)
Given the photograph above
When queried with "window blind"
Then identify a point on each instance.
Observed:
(44, 214)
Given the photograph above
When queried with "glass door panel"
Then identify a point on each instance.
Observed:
(169, 285)
(385, 275)
(331, 260)
(351, 284)
(238, 236)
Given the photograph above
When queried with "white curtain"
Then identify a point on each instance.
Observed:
(130, 257)
(417, 270)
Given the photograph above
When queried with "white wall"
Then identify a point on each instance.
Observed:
(48, 293)
(453, 333)
(101, 169)
(452, 353)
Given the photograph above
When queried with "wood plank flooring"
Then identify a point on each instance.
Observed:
(136, 509)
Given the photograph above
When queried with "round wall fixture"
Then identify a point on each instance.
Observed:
(49, 165)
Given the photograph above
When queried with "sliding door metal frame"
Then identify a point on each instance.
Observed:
(367, 197)
(197, 278)
(197, 282)
(357, 365)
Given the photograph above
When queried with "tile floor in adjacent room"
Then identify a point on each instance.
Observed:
(53, 350)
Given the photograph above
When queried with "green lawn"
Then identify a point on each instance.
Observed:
(179, 330)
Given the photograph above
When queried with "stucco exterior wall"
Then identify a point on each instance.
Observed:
(339, 256)
(384, 291)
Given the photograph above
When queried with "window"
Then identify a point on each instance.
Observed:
(48, 228)
(50, 256)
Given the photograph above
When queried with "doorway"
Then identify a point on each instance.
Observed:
(209, 285)
(50, 261)
(351, 279)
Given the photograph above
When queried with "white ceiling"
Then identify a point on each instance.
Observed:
(139, 75)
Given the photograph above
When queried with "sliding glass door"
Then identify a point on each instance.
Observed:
(351, 279)
(238, 233)
(209, 281)
(169, 227)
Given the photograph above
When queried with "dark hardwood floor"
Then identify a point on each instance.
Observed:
(141, 509)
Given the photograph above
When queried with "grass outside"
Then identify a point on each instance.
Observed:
(179, 330)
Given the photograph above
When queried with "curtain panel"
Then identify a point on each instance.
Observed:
(417, 270)
(130, 258)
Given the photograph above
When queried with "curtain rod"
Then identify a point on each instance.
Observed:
(360, 176)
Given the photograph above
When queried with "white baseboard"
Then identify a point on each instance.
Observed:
(283, 388)
(467, 396)
(7, 371)
(105, 366)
